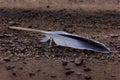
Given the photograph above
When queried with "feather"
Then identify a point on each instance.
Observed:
(69, 40)
(45, 39)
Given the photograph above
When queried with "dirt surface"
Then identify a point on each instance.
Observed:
(23, 57)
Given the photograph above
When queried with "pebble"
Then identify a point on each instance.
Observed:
(64, 63)
(53, 76)
(14, 74)
(31, 74)
(12, 45)
(48, 6)
(12, 23)
(37, 57)
(87, 77)
(7, 59)
(78, 61)
(78, 73)
(69, 72)
(114, 35)
(10, 67)
(24, 62)
(67, 68)
(87, 69)
(113, 75)
(5, 35)
(20, 68)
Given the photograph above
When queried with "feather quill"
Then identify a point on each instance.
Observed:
(69, 40)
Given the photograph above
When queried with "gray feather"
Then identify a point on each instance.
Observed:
(77, 42)
(70, 40)
(45, 39)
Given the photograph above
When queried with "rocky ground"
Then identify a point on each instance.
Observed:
(23, 57)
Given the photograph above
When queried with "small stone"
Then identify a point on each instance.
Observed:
(78, 73)
(114, 35)
(14, 74)
(102, 58)
(69, 72)
(53, 76)
(67, 68)
(24, 62)
(64, 63)
(31, 74)
(37, 57)
(7, 59)
(5, 35)
(8, 35)
(20, 68)
(78, 61)
(113, 75)
(87, 69)
(9, 67)
(87, 77)
(12, 23)
(97, 57)
(72, 60)
(48, 6)
(49, 29)
(30, 26)
(12, 45)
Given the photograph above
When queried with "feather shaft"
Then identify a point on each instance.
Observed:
(27, 29)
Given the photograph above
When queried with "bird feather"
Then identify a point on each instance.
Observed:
(69, 40)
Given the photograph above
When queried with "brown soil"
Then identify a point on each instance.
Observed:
(23, 57)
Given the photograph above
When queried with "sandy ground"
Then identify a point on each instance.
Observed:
(63, 4)
(23, 57)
